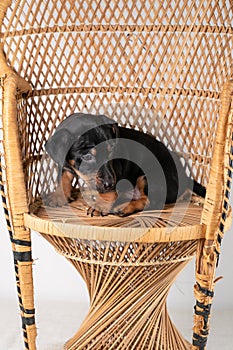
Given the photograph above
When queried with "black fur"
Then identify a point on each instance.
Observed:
(107, 154)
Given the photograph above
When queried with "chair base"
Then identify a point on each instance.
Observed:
(147, 330)
(128, 284)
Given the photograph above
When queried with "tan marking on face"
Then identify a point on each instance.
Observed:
(93, 151)
(77, 172)
(72, 162)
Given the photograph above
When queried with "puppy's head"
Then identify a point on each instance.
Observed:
(86, 142)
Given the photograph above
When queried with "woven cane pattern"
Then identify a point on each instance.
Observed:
(113, 60)
(158, 66)
(127, 282)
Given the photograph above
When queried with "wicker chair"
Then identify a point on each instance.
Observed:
(160, 66)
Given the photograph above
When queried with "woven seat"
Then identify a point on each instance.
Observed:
(158, 66)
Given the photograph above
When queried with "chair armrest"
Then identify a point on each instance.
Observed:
(13, 193)
(221, 162)
(214, 216)
(12, 86)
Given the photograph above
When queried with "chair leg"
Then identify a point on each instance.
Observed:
(23, 271)
(21, 246)
(204, 293)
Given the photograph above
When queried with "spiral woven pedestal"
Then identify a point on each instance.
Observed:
(128, 284)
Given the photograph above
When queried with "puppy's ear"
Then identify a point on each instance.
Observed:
(58, 145)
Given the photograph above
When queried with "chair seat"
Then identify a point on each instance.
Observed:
(128, 265)
(178, 222)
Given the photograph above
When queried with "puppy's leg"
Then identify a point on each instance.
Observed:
(62, 194)
(103, 204)
(136, 205)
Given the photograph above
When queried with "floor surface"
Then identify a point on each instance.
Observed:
(57, 322)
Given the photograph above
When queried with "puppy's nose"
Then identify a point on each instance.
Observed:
(107, 185)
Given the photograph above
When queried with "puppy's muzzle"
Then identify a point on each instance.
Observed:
(104, 186)
(106, 179)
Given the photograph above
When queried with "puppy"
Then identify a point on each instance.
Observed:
(127, 170)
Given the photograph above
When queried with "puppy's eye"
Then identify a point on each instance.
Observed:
(88, 157)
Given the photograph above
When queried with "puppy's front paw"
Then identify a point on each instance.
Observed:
(102, 204)
(57, 199)
(95, 212)
(124, 209)
(132, 207)
(99, 209)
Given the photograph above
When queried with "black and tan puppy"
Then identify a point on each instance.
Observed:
(129, 170)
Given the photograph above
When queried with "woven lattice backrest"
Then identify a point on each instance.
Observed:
(154, 65)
